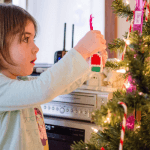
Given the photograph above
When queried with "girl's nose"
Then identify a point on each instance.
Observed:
(35, 49)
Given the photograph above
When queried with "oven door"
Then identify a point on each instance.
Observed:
(62, 132)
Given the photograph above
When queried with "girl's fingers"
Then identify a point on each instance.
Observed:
(103, 41)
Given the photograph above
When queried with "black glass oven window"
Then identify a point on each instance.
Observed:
(61, 138)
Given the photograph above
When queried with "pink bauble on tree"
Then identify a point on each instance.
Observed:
(132, 87)
(130, 122)
(138, 15)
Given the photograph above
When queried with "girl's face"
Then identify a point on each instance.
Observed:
(22, 54)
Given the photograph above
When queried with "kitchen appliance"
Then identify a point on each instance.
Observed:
(59, 54)
(62, 133)
(68, 117)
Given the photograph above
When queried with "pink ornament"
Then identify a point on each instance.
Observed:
(135, 55)
(91, 27)
(138, 15)
(132, 87)
(130, 122)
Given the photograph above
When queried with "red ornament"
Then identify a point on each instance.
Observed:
(102, 148)
(130, 28)
(127, 19)
(95, 60)
(122, 58)
(148, 6)
(96, 63)
(146, 19)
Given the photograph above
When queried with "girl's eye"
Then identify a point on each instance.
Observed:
(26, 39)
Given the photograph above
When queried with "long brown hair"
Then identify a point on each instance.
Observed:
(13, 20)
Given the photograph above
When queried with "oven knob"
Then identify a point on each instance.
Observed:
(67, 110)
(80, 111)
(75, 111)
(62, 110)
(85, 112)
(45, 107)
(53, 108)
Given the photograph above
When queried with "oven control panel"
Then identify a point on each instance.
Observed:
(76, 105)
(67, 110)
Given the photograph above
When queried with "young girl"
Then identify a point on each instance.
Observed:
(21, 126)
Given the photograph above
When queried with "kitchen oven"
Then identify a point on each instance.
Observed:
(68, 117)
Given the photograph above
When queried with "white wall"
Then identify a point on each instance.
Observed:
(123, 26)
(21, 3)
(51, 16)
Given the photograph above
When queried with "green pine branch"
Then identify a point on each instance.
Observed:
(83, 146)
(117, 65)
(117, 44)
(146, 28)
(122, 9)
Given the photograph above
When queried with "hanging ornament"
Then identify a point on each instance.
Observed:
(96, 59)
(96, 63)
(130, 122)
(123, 125)
(146, 19)
(146, 10)
(91, 26)
(138, 17)
(127, 19)
(137, 115)
(130, 28)
(125, 83)
(131, 87)
(102, 148)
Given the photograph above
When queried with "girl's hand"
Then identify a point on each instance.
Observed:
(104, 55)
(91, 43)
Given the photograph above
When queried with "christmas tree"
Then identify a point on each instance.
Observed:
(135, 93)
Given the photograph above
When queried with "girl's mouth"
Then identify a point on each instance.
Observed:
(33, 62)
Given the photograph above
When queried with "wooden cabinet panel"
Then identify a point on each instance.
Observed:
(110, 26)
